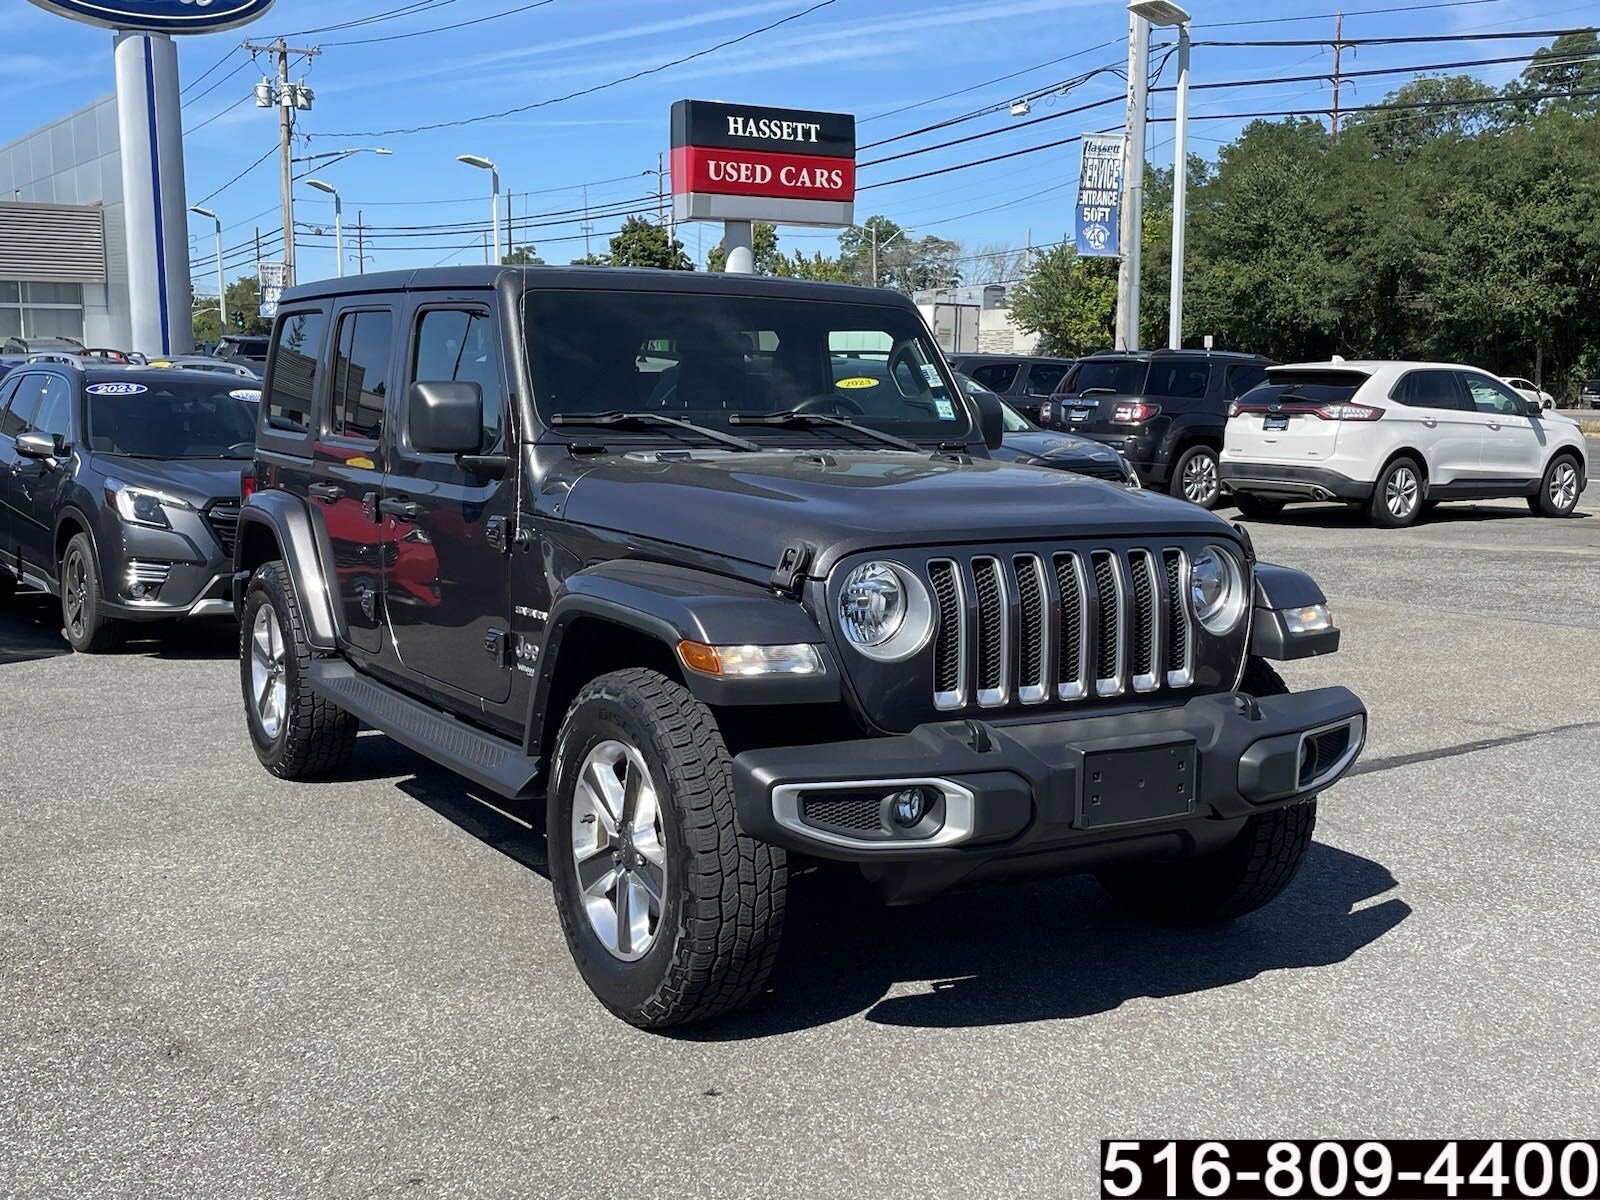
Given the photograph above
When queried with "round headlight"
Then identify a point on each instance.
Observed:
(1216, 590)
(884, 611)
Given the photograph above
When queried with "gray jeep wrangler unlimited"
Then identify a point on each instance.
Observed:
(720, 567)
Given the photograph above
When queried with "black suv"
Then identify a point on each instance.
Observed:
(720, 568)
(1589, 393)
(1024, 381)
(120, 490)
(248, 349)
(1164, 409)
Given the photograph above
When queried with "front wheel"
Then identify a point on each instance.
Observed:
(671, 913)
(83, 616)
(1197, 477)
(1558, 490)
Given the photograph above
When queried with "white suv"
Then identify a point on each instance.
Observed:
(1395, 438)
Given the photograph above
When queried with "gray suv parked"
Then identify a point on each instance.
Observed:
(719, 567)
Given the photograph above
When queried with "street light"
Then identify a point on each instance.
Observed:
(338, 221)
(1164, 12)
(336, 155)
(222, 291)
(477, 160)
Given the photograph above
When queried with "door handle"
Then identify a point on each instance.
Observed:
(1492, 425)
(1430, 422)
(400, 508)
(326, 492)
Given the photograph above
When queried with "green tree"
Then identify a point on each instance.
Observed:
(856, 248)
(764, 244)
(244, 312)
(642, 243)
(1459, 106)
(592, 260)
(1571, 63)
(1070, 302)
(817, 268)
(522, 256)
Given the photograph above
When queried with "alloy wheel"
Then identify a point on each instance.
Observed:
(1200, 479)
(619, 849)
(75, 592)
(266, 670)
(1401, 493)
(1564, 486)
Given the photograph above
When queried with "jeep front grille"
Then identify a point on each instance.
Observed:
(1027, 628)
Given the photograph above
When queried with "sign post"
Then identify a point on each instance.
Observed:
(150, 133)
(739, 163)
(271, 277)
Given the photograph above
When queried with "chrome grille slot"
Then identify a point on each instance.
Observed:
(1146, 621)
(1071, 664)
(1033, 667)
(950, 636)
(1179, 669)
(1109, 652)
(993, 631)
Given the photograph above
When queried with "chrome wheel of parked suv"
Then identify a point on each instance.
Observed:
(671, 913)
(1197, 478)
(266, 669)
(1558, 491)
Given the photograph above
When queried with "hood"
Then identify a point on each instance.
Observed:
(197, 480)
(752, 506)
(1059, 449)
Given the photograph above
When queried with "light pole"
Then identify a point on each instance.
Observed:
(333, 156)
(338, 221)
(1132, 223)
(222, 290)
(477, 160)
(1164, 12)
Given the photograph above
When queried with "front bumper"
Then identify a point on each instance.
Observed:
(1292, 482)
(1076, 793)
(160, 574)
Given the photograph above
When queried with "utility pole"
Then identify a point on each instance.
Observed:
(510, 237)
(1338, 79)
(1132, 223)
(289, 98)
(587, 227)
(361, 246)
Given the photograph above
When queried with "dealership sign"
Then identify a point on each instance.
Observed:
(1100, 195)
(739, 162)
(160, 16)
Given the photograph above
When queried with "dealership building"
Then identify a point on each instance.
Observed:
(63, 240)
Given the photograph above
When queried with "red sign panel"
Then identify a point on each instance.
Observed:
(762, 173)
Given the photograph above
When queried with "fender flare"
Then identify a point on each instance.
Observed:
(296, 537)
(671, 603)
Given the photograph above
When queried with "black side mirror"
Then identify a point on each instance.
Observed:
(38, 445)
(1533, 408)
(991, 418)
(445, 417)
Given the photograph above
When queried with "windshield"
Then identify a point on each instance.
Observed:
(180, 419)
(1124, 376)
(706, 358)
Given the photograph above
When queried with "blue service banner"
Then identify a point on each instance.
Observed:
(1100, 196)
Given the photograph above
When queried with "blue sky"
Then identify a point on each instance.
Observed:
(871, 57)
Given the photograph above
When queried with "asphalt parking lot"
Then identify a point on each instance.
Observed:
(213, 983)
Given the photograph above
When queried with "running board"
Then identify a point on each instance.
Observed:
(489, 761)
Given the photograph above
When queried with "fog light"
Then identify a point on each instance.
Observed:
(908, 807)
(139, 591)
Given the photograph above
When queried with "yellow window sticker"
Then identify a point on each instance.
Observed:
(857, 381)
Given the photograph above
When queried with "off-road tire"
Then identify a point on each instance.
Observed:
(1194, 458)
(316, 737)
(1258, 508)
(1541, 503)
(1248, 872)
(1378, 510)
(723, 907)
(92, 631)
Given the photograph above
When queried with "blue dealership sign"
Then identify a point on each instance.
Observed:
(160, 16)
(1100, 196)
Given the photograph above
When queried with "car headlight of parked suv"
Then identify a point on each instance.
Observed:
(1216, 589)
(143, 506)
(884, 611)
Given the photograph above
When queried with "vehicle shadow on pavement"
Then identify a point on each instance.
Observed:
(30, 628)
(513, 827)
(1340, 516)
(1042, 952)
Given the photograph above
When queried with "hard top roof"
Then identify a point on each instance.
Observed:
(640, 279)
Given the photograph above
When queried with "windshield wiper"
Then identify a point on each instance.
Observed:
(796, 417)
(618, 417)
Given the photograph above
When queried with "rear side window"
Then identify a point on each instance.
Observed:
(1431, 389)
(293, 381)
(1123, 376)
(1179, 379)
(1042, 380)
(459, 345)
(361, 375)
(997, 377)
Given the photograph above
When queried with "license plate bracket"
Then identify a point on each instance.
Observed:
(1275, 424)
(1143, 783)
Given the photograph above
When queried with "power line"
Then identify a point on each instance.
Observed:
(588, 91)
(1556, 60)
(215, 115)
(207, 73)
(405, 10)
(998, 79)
(210, 195)
(973, 137)
(1414, 39)
(1359, 12)
(395, 37)
(195, 99)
